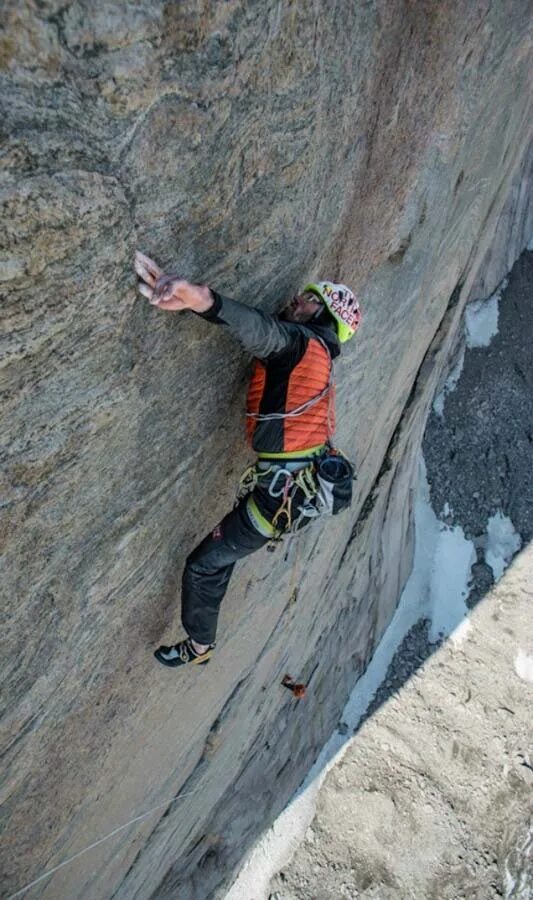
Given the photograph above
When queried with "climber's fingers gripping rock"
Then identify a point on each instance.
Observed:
(147, 270)
(159, 288)
(170, 292)
(145, 290)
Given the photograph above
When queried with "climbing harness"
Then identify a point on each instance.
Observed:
(292, 482)
(321, 485)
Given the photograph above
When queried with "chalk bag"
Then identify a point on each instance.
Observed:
(335, 475)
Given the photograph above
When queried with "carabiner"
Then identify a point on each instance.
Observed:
(273, 483)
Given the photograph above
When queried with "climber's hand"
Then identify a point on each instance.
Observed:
(148, 272)
(174, 293)
(160, 289)
(170, 291)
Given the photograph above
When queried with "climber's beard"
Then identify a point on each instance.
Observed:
(301, 308)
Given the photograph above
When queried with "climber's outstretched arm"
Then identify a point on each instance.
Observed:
(260, 333)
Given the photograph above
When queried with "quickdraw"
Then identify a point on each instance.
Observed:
(247, 482)
(286, 505)
(286, 485)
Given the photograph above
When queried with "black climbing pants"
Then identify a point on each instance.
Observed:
(208, 570)
(209, 567)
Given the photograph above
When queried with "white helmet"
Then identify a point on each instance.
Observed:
(341, 303)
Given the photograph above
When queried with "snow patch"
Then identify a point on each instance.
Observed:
(502, 543)
(518, 887)
(459, 634)
(453, 557)
(481, 322)
(449, 385)
(481, 318)
(523, 666)
(438, 404)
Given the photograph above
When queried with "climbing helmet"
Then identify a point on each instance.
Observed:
(343, 305)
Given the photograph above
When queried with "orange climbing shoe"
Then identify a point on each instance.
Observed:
(182, 653)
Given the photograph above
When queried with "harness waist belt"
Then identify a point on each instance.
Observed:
(294, 454)
(258, 520)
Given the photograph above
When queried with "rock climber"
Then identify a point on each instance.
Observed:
(290, 421)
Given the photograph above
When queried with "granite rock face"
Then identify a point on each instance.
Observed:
(251, 146)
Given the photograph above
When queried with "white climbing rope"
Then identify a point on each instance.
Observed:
(101, 840)
(106, 837)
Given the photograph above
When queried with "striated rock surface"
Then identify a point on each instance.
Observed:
(251, 146)
(514, 231)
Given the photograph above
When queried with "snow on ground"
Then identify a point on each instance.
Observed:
(449, 386)
(450, 557)
(481, 318)
(481, 325)
(519, 888)
(436, 589)
(502, 544)
(523, 666)
(481, 322)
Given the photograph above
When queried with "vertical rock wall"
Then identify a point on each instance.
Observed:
(513, 232)
(251, 146)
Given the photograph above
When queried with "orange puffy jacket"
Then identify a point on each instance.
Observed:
(291, 397)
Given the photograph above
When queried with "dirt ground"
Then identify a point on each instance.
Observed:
(433, 799)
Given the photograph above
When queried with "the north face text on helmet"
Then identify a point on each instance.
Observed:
(343, 305)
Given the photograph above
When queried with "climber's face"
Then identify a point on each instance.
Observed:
(302, 307)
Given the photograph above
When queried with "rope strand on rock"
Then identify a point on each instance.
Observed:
(101, 840)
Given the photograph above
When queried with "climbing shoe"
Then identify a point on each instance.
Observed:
(182, 653)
